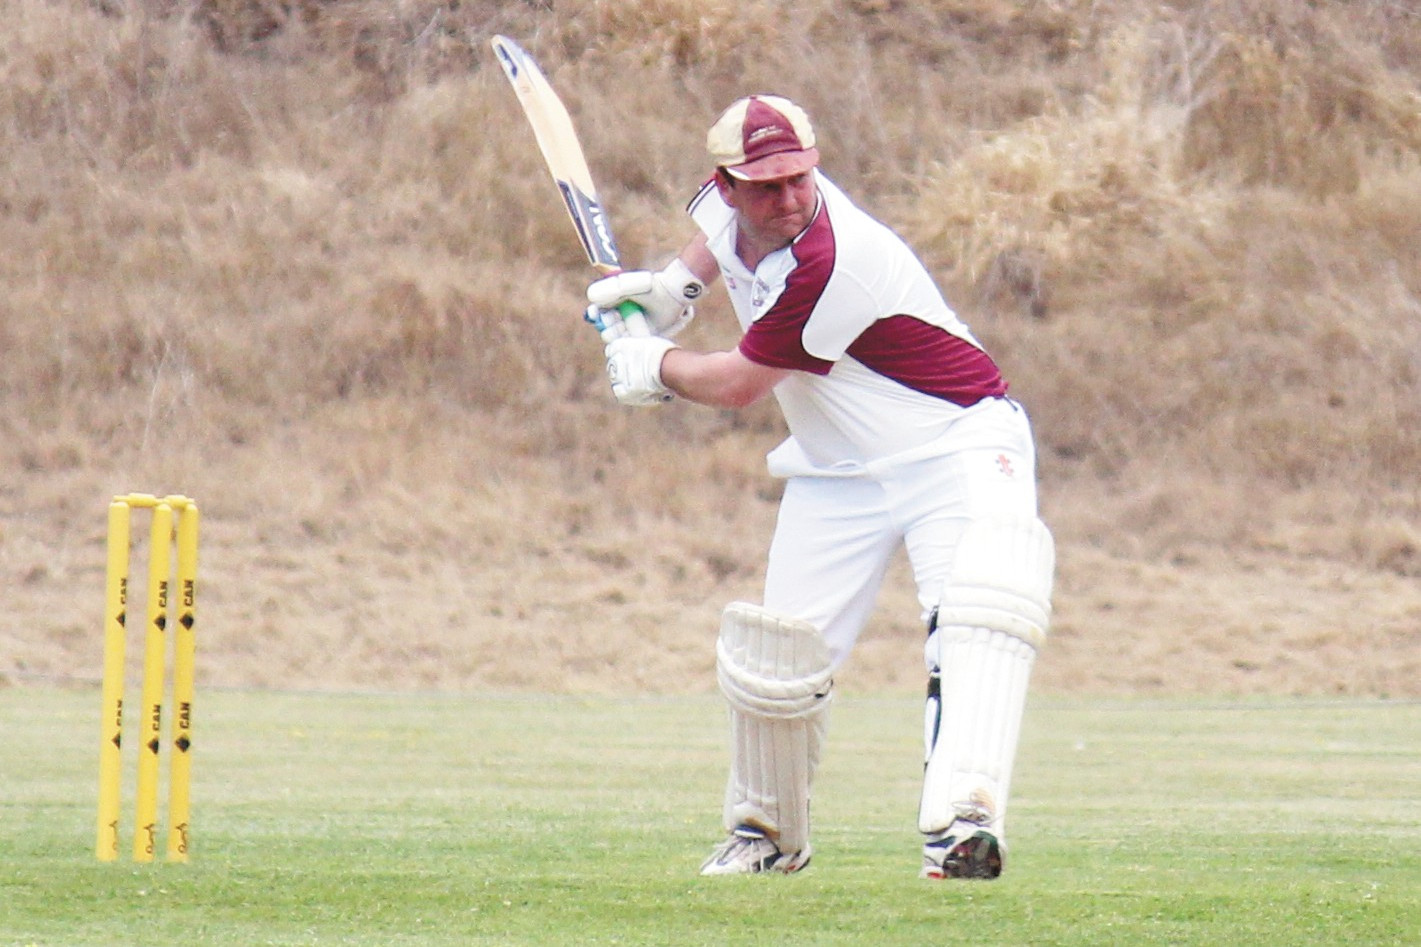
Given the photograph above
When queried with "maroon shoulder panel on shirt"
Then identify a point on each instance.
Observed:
(905, 349)
(929, 359)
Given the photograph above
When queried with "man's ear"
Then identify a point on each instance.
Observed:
(725, 184)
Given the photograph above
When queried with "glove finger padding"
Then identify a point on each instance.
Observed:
(608, 292)
(665, 296)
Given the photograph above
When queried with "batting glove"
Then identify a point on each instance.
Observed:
(634, 369)
(666, 296)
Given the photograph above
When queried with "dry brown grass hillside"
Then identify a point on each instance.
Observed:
(301, 261)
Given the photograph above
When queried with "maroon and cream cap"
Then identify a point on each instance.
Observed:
(763, 137)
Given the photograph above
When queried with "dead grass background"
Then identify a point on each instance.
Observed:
(301, 261)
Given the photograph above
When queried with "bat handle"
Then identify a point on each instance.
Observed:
(631, 321)
(634, 318)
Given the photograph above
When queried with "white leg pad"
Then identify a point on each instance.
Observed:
(775, 673)
(994, 614)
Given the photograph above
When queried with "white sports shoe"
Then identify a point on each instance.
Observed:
(749, 850)
(964, 850)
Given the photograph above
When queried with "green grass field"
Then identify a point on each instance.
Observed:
(403, 819)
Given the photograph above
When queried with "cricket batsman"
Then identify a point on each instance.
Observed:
(901, 433)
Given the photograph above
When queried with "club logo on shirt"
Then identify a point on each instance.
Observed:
(1004, 465)
(758, 292)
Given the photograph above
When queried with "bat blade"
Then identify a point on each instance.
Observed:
(562, 152)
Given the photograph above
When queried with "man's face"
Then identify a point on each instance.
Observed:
(772, 212)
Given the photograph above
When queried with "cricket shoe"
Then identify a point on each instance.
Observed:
(748, 851)
(964, 850)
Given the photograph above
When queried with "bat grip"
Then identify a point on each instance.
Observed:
(630, 321)
(634, 318)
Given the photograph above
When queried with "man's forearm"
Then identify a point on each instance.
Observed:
(719, 379)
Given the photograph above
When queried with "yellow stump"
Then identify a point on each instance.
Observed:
(111, 737)
(155, 645)
(184, 659)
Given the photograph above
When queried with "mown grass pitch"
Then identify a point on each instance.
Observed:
(415, 819)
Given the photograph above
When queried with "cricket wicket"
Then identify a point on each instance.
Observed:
(160, 574)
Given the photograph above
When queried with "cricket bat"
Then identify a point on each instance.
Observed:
(557, 139)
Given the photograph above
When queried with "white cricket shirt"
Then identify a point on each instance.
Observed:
(882, 365)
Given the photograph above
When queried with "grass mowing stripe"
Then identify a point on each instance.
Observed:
(391, 820)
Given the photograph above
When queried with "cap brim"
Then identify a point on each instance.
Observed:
(786, 164)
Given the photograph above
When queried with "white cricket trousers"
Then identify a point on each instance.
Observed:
(836, 535)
